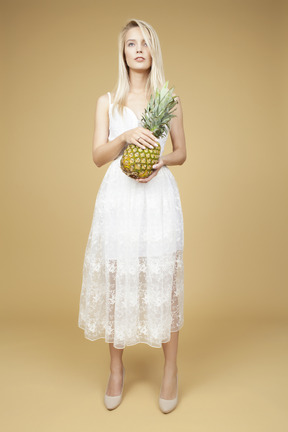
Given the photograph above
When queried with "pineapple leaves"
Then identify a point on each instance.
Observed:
(158, 113)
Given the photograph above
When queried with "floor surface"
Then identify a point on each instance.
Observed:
(233, 377)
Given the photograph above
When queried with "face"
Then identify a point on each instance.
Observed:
(135, 46)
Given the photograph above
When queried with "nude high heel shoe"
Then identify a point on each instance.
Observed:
(167, 405)
(112, 402)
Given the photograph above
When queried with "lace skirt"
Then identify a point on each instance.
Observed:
(133, 273)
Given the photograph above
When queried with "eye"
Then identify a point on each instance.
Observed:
(130, 43)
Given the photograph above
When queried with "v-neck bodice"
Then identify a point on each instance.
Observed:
(121, 123)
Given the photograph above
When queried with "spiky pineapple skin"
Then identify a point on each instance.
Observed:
(137, 162)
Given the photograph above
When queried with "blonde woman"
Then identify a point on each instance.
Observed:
(133, 273)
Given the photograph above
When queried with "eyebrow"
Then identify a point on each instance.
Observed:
(134, 40)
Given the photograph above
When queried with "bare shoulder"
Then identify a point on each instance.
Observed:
(102, 106)
(103, 100)
(101, 120)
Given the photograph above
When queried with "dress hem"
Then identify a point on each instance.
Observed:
(132, 344)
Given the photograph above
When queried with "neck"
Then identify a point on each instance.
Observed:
(138, 81)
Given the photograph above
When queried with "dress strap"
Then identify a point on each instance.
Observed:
(109, 98)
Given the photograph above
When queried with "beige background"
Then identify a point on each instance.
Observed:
(228, 63)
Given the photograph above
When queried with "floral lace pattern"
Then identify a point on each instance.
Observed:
(143, 304)
(133, 272)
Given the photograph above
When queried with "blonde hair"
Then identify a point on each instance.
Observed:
(156, 76)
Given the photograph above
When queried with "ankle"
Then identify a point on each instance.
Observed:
(170, 368)
(116, 367)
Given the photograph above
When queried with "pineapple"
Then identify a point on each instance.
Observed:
(137, 162)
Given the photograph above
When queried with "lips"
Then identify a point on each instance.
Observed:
(139, 58)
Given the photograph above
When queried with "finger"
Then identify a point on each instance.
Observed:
(144, 142)
(154, 173)
(152, 140)
(138, 144)
(145, 180)
(158, 164)
(149, 143)
(150, 137)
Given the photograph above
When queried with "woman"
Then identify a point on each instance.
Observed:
(133, 273)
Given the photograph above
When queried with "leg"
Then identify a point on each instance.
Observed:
(169, 382)
(116, 371)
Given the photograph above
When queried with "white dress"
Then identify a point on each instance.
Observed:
(133, 273)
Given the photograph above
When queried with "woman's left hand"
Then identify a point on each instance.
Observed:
(156, 168)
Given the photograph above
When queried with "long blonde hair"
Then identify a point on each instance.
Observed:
(156, 77)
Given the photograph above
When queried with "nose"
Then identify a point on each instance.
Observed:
(139, 50)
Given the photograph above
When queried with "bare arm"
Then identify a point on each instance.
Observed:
(178, 156)
(103, 150)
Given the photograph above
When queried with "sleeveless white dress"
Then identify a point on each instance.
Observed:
(133, 273)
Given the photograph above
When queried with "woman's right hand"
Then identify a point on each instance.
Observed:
(141, 137)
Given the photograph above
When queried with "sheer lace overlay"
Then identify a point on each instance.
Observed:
(143, 304)
(133, 272)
